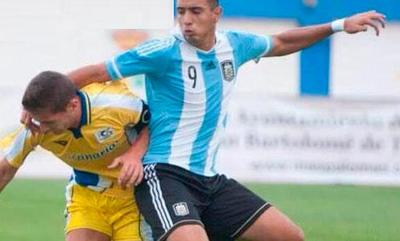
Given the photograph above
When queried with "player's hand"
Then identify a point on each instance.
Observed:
(360, 22)
(131, 172)
(27, 120)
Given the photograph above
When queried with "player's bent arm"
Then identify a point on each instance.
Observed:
(131, 172)
(7, 173)
(89, 74)
(294, 40)
(138, 148)
(131, 161)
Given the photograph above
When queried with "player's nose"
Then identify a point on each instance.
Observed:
(187, 19)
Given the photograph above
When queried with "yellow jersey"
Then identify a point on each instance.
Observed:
(109, 113)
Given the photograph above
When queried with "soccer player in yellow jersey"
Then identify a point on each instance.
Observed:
(93, 131)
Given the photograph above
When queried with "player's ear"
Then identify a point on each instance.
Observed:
(217, 13)
(73, 104)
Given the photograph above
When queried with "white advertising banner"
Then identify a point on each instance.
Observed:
(296, 140)
(312, 140)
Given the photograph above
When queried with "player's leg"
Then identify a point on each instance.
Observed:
(183, 232)
(84, 222)
(125, 218)
(188, 232)
(85, 234)
(170, 199)
(238, 213)
(273, 225)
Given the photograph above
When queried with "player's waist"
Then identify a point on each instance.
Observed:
(203, 167)
(99, 183)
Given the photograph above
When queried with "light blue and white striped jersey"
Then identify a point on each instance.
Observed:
(188, 91)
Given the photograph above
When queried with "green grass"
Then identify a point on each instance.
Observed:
(32, 210)
(339, 213)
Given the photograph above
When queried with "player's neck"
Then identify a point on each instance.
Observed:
(207, 43)
(77, 116)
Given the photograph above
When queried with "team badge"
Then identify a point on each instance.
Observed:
(228, 70)
(181, 209)
(103, 134)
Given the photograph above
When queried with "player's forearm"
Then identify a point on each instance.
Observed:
(139, 147)
(89, 74)
(7, 173)
(296, 39)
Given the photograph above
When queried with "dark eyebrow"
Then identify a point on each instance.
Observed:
(189, 8)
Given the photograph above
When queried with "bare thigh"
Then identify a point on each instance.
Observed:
(273, 225)
(188, 232)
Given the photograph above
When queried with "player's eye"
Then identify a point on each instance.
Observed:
(181, 11)
(196, 10)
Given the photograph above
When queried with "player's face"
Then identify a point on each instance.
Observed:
(52, 122)
(197, 20)
(57, 122)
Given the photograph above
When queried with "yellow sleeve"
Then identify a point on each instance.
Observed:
(138, 107)
(120, 106)
(17, 145)
(138, 120)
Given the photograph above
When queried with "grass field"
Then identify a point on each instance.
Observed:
(32, 210)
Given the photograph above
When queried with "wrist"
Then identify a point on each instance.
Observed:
(338, 25)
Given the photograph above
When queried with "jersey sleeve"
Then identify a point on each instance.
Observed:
(139, 120)
(122, 108)
(249, 46)
(16, 146)
(148, 58)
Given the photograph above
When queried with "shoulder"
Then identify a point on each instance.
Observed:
(235, 34)
(115, 100)
(156, 46)
(241, 35)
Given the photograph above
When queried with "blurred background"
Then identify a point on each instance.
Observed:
(328, 115)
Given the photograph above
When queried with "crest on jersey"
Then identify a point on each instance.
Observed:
(104, 133)
(181, 209)
(228, 70)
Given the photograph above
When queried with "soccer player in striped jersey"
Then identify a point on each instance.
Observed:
(92, 131)
(190, 76)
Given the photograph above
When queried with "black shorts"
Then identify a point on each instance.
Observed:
(170, 196)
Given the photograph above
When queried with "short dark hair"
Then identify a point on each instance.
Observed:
(48, 91)
(213, 3)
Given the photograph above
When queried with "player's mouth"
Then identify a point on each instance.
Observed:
(188, 32)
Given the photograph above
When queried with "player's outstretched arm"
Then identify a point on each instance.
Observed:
(299, 38)
(360, 22)
(7, 173)
(89, 74)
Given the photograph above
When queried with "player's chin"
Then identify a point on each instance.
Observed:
(193, 39)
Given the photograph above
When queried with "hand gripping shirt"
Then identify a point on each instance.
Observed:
(188, 92)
